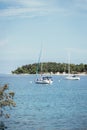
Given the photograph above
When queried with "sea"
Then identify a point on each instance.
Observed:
(61, 105)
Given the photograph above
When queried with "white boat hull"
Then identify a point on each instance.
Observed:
(73, 78)
(44, 80)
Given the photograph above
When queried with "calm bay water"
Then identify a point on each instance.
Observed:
(60, 106)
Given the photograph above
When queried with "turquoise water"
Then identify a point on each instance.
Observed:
(60, 106)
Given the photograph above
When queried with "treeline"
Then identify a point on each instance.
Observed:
(50, 67)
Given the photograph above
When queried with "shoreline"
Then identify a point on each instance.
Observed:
(58, 74)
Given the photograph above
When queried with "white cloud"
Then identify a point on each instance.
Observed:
(31, 8)
(3, 42)
(29, 3)
(24, 8)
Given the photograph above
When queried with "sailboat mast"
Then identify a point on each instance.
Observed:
(69, 63)
(38, 64)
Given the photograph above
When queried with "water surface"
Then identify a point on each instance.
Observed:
(60, 106)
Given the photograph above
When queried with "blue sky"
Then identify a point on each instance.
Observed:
(59, 26)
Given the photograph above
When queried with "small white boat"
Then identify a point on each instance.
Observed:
(44, 80)
(73, 77)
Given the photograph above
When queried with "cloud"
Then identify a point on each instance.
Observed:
(3, 42)
(29, 3)
(28, 8)
(22, 8)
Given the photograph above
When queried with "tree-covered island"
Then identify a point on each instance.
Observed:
(51, 67)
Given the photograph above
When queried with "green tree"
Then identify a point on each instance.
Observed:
(6, 100)
(48, 67)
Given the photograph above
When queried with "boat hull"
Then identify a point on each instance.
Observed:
(73, 78)
(43, 82)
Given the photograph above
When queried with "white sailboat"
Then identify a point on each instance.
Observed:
(71, 76)
(42, 79)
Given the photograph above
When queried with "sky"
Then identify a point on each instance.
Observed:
(58, 27)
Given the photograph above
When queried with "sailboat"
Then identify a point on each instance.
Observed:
(42, 79)
(71, 76)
